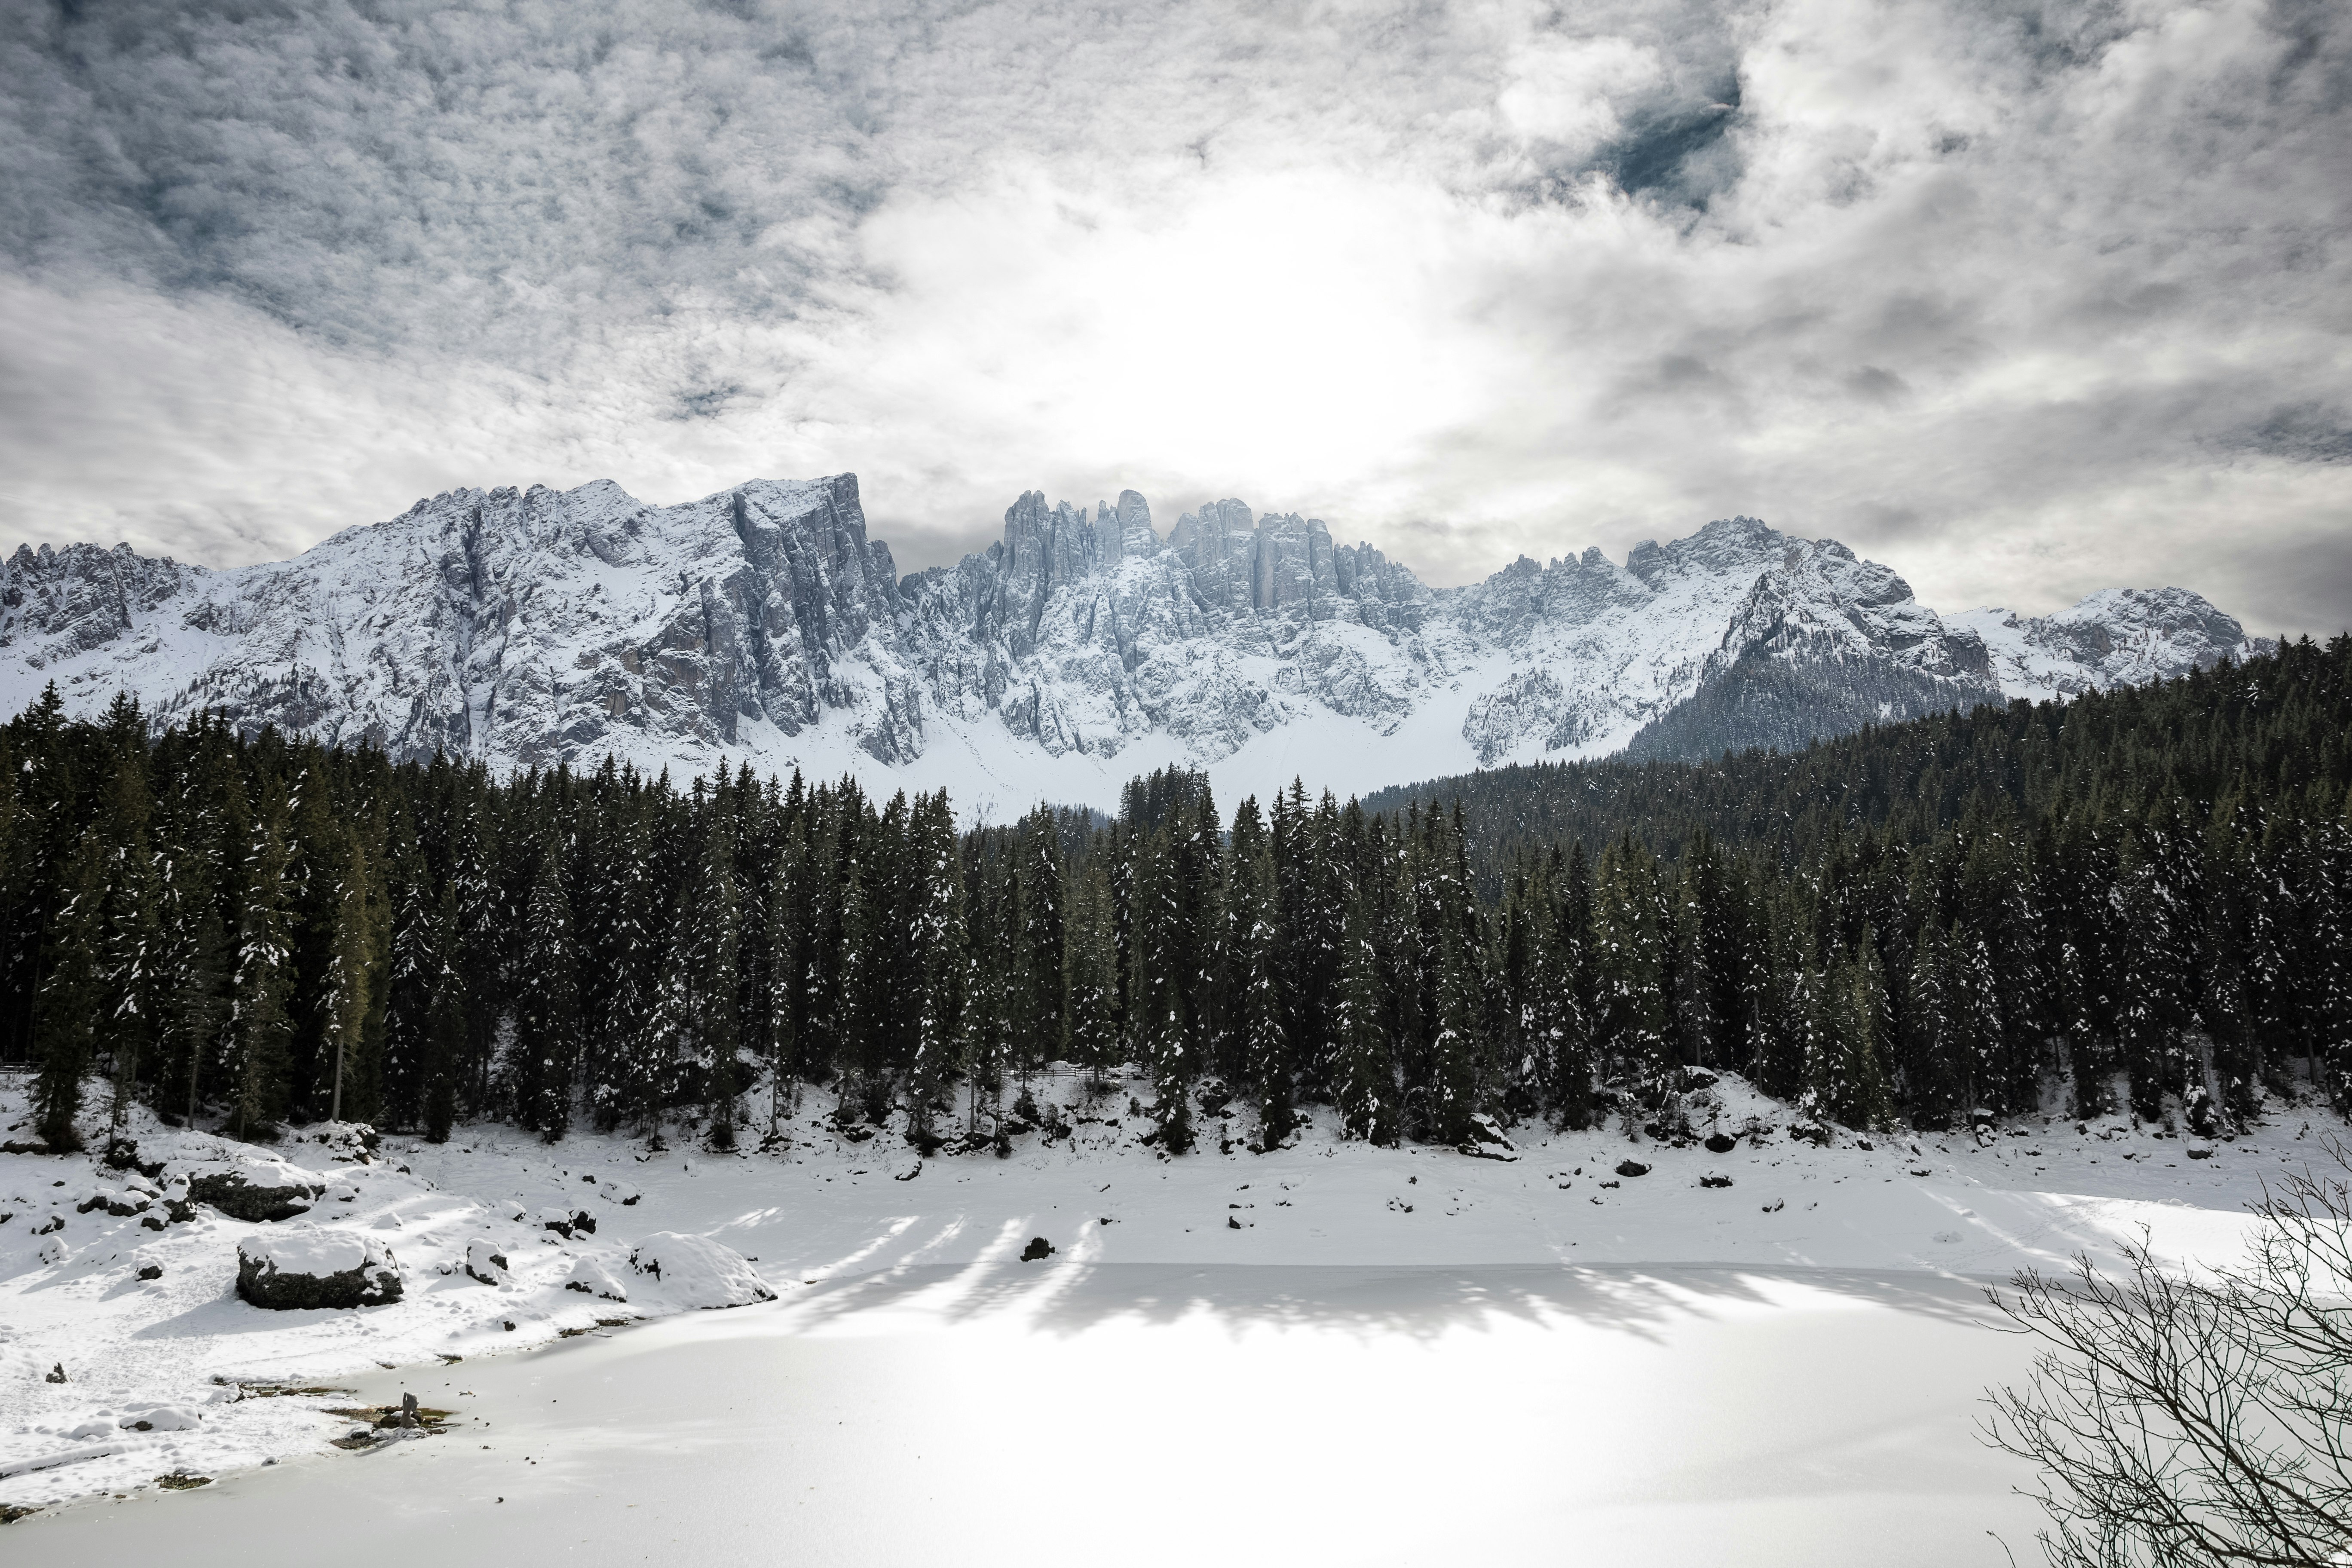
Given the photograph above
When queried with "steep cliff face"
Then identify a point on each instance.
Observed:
(534, 628)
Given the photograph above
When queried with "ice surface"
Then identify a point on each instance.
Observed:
(1401, 1355)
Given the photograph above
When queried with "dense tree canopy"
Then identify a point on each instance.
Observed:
(2146, 893)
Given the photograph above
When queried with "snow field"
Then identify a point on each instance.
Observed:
(1307, 1351)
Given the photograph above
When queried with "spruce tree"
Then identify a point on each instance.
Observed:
(353, 973)
(1934, 1052)
(1459, 1045)
(1043, 937)
(936, 938)
(1365, 1072)
(69, 999)
(447, 1035)
(412, 975)
(547, 1002)
(1630, 965)
(260, 1026)
(1163, 1027)
(128, 967)
(1093, 964)
(709, 969)
(1252, 1006)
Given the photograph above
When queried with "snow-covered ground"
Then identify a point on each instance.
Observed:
(1330, 1353)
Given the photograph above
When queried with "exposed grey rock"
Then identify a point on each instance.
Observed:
(761, 623)
(235, 1194)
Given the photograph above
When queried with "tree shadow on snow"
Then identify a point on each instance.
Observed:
(1415, 1300)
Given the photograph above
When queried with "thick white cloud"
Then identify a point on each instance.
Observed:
(2025, 300)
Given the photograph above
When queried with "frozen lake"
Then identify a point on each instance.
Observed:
(1077, 1411)
(1326, 1353)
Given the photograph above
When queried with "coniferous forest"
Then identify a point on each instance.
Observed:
(2140, 898)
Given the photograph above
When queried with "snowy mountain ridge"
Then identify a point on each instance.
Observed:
(763, 625)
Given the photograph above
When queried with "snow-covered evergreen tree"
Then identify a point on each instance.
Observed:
(259, 1026)
(1366, 1071)
(547, 1001)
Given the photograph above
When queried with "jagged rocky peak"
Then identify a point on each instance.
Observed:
(82, 597)
(763, 624)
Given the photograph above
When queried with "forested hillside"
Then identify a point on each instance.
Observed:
(2148, 891)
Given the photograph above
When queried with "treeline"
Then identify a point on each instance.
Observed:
(2201, 739)
(1926, 923)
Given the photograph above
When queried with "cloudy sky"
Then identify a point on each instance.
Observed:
(2023, 299)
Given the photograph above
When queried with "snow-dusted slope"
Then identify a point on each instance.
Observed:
(529, 627)
(2117, 637)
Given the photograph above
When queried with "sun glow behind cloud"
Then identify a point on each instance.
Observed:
(2024, 303)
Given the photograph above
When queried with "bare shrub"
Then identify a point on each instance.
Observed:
(2196, 1417)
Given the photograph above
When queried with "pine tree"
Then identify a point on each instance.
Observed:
(1093, 964)
(259, 1025)
(319, 848)
(1934, 1035)
(547, 1002)
(447, 1035)
(66, 1021)
(1252, 1006)
(476, 937)
(412, 975)
(786, 995)
(2155, 1006)
(1163, 1027)
(1194, 934)
(936, 936)
(624, 1069)
(1554, 1025)
(1846, 1077)
(1630, 965)
(127, 972)
(706, 969)
(1459, 1045)
(982, 1035)
(1043, 937)
(353, 976)
(1366, 1071)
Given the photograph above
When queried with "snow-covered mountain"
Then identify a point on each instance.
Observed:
(761, 623)
(2117, 637)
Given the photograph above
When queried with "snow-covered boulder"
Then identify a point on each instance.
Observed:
(348, 1143)
(485, 1263)
(253, 1188)
(304, 1266)
(591, 1278)
(1486, 1139)
(696, 1271)
(158, 1419)
(120, 1204)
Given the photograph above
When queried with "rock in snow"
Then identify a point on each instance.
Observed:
(1487, 1142)
(304, 1266)
(251, 1188)
(761, 624)
(696, 1271)
(485, 1263)
(591, 1278)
